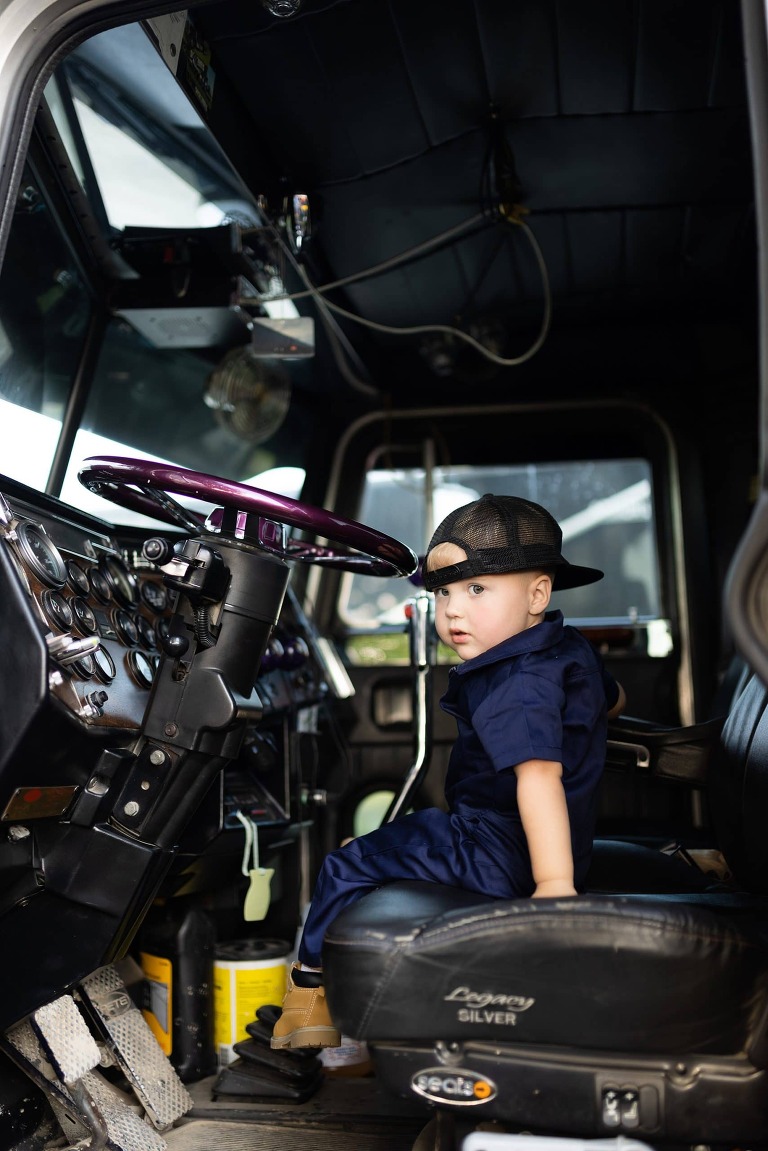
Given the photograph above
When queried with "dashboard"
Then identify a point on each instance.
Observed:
(100, 615)
(84, 620)
(106, 803)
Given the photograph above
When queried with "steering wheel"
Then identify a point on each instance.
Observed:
(143, 486)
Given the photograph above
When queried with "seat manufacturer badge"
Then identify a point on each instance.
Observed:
(457, 1086)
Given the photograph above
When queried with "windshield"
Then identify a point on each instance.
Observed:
(173, 372)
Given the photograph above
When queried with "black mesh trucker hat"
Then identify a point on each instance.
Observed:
(505, 534)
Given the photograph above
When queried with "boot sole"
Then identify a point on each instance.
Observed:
(307, 1037)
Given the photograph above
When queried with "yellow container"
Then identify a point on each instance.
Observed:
(247, 974)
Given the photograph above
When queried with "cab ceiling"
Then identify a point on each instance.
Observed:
(617, 132)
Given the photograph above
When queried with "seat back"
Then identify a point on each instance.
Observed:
(737, 787)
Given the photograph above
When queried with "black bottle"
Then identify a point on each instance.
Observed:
(176, 950)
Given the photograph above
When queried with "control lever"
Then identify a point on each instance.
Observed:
(420, 614)
(189, 567)
(66, 649)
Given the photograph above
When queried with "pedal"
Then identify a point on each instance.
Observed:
(127, 1130)
(23, 1045)
(89, 1110)
(66, 1040)
(134, 1048)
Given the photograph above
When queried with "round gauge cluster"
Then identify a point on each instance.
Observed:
(41, 554)
(121, 580)
(102, 598)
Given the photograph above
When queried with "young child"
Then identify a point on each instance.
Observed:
(530, 700)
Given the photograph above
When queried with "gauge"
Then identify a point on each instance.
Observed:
(125, 626)
(100, 585)
(78, 579)
(142, 668)
(85, 667)
(105, 665)
(84, 617)
(41, 554)
(146, 632)
(121, 579)
(57, 609)
(154, 595)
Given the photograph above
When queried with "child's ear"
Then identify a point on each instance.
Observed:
(541, 591)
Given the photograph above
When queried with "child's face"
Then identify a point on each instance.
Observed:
(475, 614)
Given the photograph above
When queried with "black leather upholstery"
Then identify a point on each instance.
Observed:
(639, 1013)
(415, 961)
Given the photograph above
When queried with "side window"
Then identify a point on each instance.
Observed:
(46, 311)
(605, 508)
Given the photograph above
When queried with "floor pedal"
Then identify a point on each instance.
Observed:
(90, 1111)
(134, 1048)
(65, 1038)
(127, 1130)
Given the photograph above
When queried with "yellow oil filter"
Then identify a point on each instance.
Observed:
(247, 974)
(158, 973)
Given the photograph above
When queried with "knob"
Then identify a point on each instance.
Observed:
(157, 550)
(273, 656)
(174, 645)
(296, 653)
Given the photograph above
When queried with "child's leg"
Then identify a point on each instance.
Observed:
(428, 845)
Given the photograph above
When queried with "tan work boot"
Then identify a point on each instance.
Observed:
(305, 1020)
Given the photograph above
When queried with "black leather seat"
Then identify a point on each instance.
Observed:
(641, 1014)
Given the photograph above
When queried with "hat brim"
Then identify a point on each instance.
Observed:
(569, 576)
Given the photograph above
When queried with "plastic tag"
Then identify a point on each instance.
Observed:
(257, 896)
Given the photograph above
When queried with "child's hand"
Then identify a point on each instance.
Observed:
(553, 888)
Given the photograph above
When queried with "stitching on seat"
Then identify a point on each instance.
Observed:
(476, 925)
(382, 984)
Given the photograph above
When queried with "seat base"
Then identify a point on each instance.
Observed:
(588, 1094)
(588, 1016)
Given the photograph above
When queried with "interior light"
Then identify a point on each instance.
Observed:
(282, 7)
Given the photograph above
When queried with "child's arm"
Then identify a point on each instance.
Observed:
(543, 810)
(620, 703)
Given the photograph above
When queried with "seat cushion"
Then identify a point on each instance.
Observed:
(420, 962)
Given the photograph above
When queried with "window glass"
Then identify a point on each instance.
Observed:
(153, 160)
(143, 157)
(45, 312)
(604, 507)
(150, 402)
(370, 812)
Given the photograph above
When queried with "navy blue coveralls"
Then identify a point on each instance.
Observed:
(541, 694)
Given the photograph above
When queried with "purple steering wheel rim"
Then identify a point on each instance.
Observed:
(112, 476)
